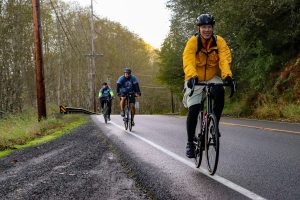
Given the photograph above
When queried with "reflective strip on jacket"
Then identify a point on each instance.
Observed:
(217, 60)
(106, 92)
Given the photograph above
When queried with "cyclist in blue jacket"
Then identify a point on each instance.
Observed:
(127, 83)
(106, 94)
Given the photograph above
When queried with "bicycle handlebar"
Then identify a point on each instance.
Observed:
(129, 94)
(233, 86)
(132, 93)
(106, 98)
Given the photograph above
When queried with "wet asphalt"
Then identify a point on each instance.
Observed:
(102, 161)
(253, 156)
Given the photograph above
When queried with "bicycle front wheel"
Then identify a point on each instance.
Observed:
(130, 119)
(105, 112)
(126, 118)
(212, 144)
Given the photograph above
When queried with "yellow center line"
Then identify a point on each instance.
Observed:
(259, 127)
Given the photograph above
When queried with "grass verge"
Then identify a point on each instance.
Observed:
(263, 108)
(21, 131)
(281, 112)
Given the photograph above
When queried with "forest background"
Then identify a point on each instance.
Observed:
(263, 36)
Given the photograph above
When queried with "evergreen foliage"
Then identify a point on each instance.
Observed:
(263, 36)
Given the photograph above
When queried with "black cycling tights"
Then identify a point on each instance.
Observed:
(218, 105)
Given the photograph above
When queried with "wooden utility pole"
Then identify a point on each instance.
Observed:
(92, 56)
(38, 55)
(93, 70)
(59, 68)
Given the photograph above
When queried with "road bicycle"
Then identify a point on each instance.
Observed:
(106, 109)
(128, 118)
(207, 137)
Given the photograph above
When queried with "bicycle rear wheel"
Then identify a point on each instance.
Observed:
(212, 144)
(199, 142)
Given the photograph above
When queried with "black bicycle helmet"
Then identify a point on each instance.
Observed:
(205, 19)
(127, 70)
(104, 83)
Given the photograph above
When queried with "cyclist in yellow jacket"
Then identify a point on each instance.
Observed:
(207, 61)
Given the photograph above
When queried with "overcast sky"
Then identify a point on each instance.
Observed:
(147, 18)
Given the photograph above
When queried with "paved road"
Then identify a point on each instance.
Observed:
(258, 159)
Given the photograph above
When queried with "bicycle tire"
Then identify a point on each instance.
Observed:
(105, 110)
(212, 143)
(126, 117)
(198, 142)
(130, 120)
(198, 152)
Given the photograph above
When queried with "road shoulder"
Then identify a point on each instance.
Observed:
(79, 165)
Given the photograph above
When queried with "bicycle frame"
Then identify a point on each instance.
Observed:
(127, 100)
(209, 129)
(128, 119)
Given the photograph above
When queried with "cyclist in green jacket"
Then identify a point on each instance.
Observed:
(106, 94)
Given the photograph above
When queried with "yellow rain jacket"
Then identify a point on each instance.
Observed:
(215, 57)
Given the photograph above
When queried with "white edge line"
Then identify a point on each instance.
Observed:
(217, 178)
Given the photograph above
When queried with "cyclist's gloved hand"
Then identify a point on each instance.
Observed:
(228, 81)
(138, 94)
(191, 82)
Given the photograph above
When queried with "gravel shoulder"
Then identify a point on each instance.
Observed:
(79, 165)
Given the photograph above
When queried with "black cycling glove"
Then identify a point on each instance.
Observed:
(228, 81)
(192, 81)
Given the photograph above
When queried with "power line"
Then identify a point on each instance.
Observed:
(83, 29)
(70, 32)
(56, 14)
